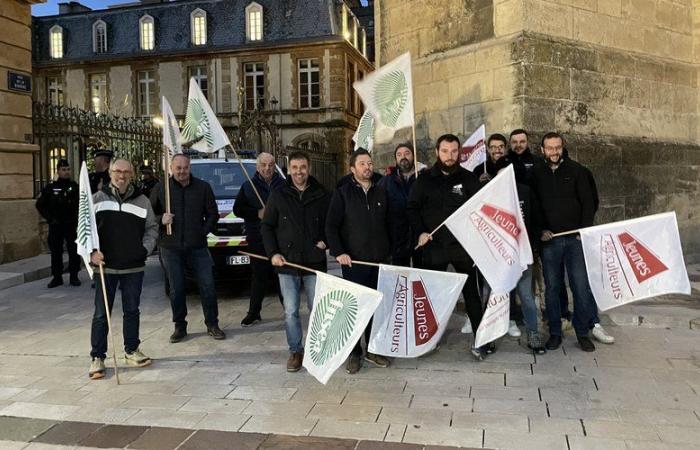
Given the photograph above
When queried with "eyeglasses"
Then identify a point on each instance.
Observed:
(554, 149)
(121, 172)
(497, 147)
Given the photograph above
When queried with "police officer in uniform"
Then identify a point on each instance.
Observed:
(148, 180)
(100, 177)
(58, 204)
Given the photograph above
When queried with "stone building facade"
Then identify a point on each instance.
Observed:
(618, 77)
(18, 218)
(292, 61)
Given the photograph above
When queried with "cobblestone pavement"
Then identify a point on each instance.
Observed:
(640, 393)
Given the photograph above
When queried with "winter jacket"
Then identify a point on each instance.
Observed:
(565, 195)
(397, 189)
(58, 202)
(434, 197)
(126, 227)
(194, 213)
(247, 204)
(358, 223)
(491, 169)
(294, 223)
(523, 164)
(530, 210)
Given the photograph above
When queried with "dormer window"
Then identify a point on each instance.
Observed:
(198, 25)
(56, 42)
(254, 24)
(99, 37)
(146, 33)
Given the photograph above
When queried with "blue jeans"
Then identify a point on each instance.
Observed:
(527, 298)
(174, 262)
(130, 285)
(559, 253)
(290, 286)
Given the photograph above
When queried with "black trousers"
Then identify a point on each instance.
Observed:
(263, 273)
(366, 276)
(58, 233)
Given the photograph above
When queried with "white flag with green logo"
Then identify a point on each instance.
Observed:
(388, 95)
(364, 135)
(341, 312)
(172, 139)
(202, 130)
(87, 239)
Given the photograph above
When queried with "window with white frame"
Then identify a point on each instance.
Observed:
(198, 26)
(147, 33)
(99, 37)
(54, 91)
(254, 23)
(254, 86)
(199, 73)
(309, 84)
(98, 92)
(147, 93)
(56, 42)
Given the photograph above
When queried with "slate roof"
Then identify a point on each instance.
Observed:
(284, 21)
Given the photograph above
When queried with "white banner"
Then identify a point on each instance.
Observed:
(473, 150)
(388, 96)
(171, 131)
(414, 313)
(491, 229)
(340, 315)
(87, 238)
(202, 129)
(634, 259)
(364, 135)
(496, 319)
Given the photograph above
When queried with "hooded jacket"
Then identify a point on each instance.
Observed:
(247, 204)
(294, 223)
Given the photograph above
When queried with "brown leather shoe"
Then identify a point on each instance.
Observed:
(294, 362)
(216, 332)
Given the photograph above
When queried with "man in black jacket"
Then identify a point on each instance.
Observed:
(58, 204)
(521, 156)
(495, 150)
(357, 228)
(564, 191)
(293, 230)
(249, 208)
(193, 215)
(434, 197)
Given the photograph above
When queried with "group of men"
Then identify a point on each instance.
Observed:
(369, 218)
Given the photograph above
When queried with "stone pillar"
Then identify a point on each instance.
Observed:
(19, 221)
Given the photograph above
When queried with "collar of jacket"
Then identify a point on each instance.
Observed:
(435, 172)
(312, 185)
(112, 191)
(259, 180)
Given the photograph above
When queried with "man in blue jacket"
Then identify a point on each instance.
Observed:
(249, 208)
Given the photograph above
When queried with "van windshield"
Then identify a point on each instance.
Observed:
(225, 178)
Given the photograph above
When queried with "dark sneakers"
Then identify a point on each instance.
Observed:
(354, 364)
(55, 283)
(216, 332)
(586, 344)
(250, 320)
(295, 361)
(553, 342)
(179, 334)
(74, 280)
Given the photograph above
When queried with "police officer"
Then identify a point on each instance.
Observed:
(148, 180)
(58, 204)
(100, 177)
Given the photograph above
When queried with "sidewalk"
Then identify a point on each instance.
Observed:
(27, 270)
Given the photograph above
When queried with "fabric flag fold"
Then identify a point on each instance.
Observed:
(172, 140)
(496, 319)
(634, 259)
(88, 239)
(473, 151)
(202, 130)
(491, 229)
(364, 135)
(387, 94)
(338, 318)
(413, 316)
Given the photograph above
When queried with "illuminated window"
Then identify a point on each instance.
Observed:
(146, 33)
(309, 84)
(99, 37)
(147, 93)
(98, 93)
(199, 73)
(55, 154)
(254, 27)
(198, 20)
(56, 42)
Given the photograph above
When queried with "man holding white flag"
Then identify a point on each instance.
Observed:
(634, 259)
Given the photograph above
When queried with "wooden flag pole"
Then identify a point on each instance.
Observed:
(109, 321)
(166, 183)
(245, 172)
(565, 233)
(265, 258)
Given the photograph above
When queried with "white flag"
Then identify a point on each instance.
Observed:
(364, 135)
(414, 313)
(388, 96)
(634, 259)
(473, 150)
(201, 125)
(340, 315)
(172, 139)
(88, 239)
(491, 229)
(496, 319)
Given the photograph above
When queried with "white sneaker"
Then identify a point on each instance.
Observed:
(601, 336)
(97, 369)
(565, 324)
(513, 329)
(137, 359)
(467, 328)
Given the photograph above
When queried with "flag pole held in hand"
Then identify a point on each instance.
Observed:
(109, 322)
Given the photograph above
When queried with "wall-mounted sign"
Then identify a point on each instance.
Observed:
(19, 82)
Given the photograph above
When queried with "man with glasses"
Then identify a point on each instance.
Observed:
(495, 149)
